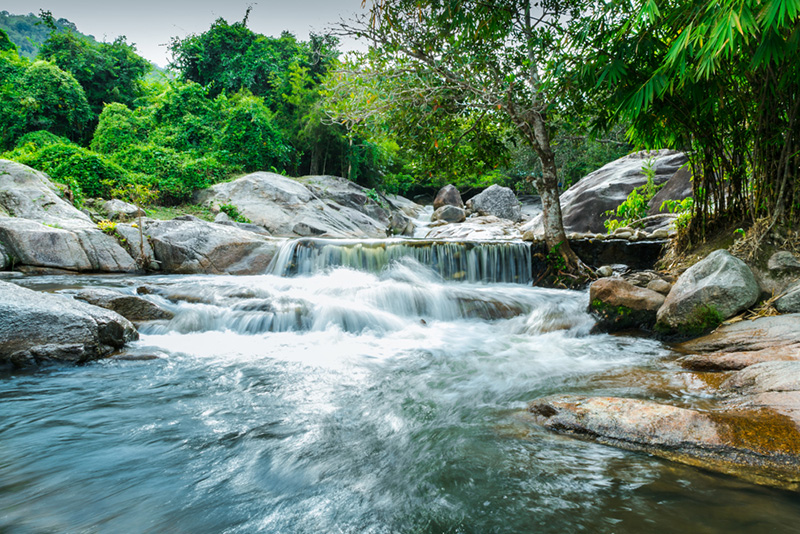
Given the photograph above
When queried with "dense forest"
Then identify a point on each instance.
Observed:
(449, 92)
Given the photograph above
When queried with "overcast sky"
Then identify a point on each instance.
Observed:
(151, 24)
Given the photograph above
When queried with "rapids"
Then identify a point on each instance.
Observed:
(374, 394)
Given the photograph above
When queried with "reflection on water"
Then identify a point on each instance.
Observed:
(347, 402)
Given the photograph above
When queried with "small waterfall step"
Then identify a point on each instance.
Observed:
(469, 261)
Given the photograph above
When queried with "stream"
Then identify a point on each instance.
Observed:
(358, 391)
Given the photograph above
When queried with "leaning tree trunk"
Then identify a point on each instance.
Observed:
(547, 186)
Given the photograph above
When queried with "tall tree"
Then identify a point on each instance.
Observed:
(491, 55)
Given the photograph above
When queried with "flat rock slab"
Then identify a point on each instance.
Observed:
(37, 328)
(760, 446)
(760, 334)
(735, 361)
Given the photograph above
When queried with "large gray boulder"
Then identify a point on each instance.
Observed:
(714, 289)
(584, 203)
(41, 230)
(789, 302)
(498, 201)
(449, 214)
(345, 193)
(287, 208)
(188, 245)
(678, 187)
(39, 327)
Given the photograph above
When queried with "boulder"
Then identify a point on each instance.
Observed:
(620, 305)
(117, 210)
(349, 194)
(408, 207)
(710, 291)
(132, 307)
(678, 187)
(287, 208)
(137, 245)
(583, 204)
(477, 229)
(789, 302)
(735, 361)
(400, 224)
(783, 262)
(188, 245)
(39, 327)
(660, 286)
(762, 447)
(449, 214)
(83, 249)
(497, 201)
(448, 196)
(40, 230)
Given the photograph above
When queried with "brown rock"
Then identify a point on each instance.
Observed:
(618, 305)
(762, 447)
(448, 196)
(762, 333)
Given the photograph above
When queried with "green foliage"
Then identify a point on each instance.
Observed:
(5, 43)
(108, 72)
(117, 129)
(683, 208)
(233, 212)
(637, 204)
(165, 170)
(42, 138)
(249, 137)
(107, 227)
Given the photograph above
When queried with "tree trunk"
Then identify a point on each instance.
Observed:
(547, 186)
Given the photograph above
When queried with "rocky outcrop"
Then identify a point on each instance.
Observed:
(746, 336)
(117, 210)
(712, 290)
(37, 328)
(448, 196)
(188, 245)
(584, 204)
(40, 230)
(497, 201)
(477, 229)
(678, 187)
(619, 305)
(760, 447)
(132, 307)
(288, 208)
(735, 361)
(449, 214)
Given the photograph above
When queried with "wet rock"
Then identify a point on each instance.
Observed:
(766, 377)
(448, 196)
(188, 245)
(497, 201)
(477, 229)
(761, 447)
(37, 328)
(789, 302)
(118, 210)
(408, 207)
(619, 305)
(735, 361)
(286, 207)
(605, 271)
(584, 203)
(710, 291)
(449, 214)
(131, 307)
(783, 262)
(400, 224)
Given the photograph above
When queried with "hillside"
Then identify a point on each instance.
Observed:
(29, 32)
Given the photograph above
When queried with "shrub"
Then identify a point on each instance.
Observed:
(117, 129)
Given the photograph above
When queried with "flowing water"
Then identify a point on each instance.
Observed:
(341, 400)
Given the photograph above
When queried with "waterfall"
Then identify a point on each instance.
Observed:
(485, 262)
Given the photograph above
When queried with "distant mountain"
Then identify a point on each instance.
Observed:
(29, 31)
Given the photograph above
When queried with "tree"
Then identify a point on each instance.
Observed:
(720, 80)
(51, 99)
(489, 56)
(108, 72)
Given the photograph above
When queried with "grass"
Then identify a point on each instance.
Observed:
(165, 213)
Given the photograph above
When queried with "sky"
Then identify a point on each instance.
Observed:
(151, 24)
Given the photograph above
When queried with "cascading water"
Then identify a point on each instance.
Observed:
(499, 262)
(370, 395)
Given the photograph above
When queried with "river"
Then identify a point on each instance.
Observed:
(344, 400)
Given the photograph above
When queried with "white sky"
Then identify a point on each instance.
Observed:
(151, 24)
